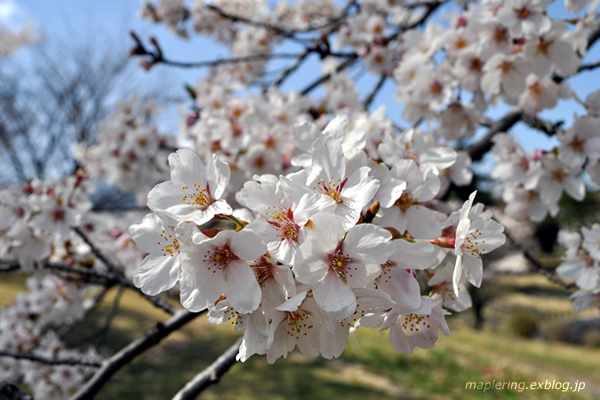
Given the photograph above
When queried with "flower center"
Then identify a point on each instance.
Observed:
(284, 222)
(577, 144)
(338, 262)
(470, 242)
(297, 321)
(405, 201)
(58, 214)
(219, 257)
(412, 322)
(522, 13)
(506, 67)
(332, 188)
(172, 245)
(262, 269)
(197, 197)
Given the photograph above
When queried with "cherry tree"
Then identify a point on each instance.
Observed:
(302, 215)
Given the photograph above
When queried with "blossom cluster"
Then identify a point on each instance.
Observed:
(317, 252)
(581, 264)
(36, 220)
(493, 50)
(27, 327)
(129, 151)
(532, 184)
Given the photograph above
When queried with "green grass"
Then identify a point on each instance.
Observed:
(368, 369)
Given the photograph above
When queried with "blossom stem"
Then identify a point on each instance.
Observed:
(445, 242)
(239, 223)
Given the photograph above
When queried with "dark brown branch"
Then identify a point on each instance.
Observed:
(288, 33)
(275, 29)
(127, 354)
(210, 375)
(367, 102)
(541, 125)
(586, 67)
(50, 361)
(535, 264)
(593, 37)
(12, 392)
(479, 149)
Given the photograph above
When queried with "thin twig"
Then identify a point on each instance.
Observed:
(431, 7)
(111, 267)
(288, 71)
(127, 354)
(328, 76)
(50, 361)
(213, 63)
(535, 264)
(367, 102)
(352, 57)
(120, 277)
(590, 66)
(331, 23)
(210, 375)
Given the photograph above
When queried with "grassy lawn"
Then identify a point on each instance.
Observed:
(368, 369)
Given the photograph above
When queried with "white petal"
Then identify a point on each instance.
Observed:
(242, 289)
(332, 294)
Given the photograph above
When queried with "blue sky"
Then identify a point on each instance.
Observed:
(77, 18)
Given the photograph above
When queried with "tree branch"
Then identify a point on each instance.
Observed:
(212, 63)
(547, 127)
(127, 354)
(479, 149)
(210, 375)
(275, 29)
(50, 361)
